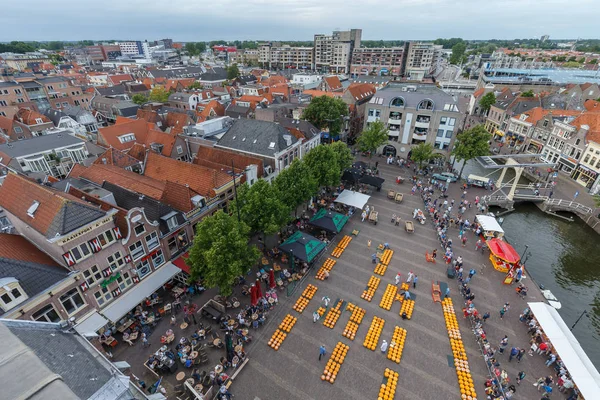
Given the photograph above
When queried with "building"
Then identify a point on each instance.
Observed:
(64, 121)
(12, 96)
(62, 93)
(357, 97)
(25, 61)
(377, 61)
(137, 48)
(413, 114)
(587, 173)
(333, 53)
(267, 140)
(277, 56)
(38, 124)
(48, 155)
(112, 108)
(184, 101)
(419, 60)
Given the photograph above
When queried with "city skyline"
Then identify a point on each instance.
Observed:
(297, 20)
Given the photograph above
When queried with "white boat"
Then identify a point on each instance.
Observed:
(552, 300)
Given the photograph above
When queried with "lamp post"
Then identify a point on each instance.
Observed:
(581, 316)
(523, 255)
(237, 204)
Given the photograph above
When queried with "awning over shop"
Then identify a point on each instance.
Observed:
(372, 180)
(351, 175)
(329, 220)
(90, 324)
(354, 199)
(580, 367)
(489, 224)
(181, 264)
(499, 133)
(303, 246)
(122, 305)
(503, 250)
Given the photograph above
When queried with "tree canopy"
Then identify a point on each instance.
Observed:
(295, 184)
(344, 155)
(221, 252)
(487, 101)
(528, 93)
(233, 71)
(159, 94)
(195, 86)
(139, 99)
(458, 53)
(323, 165)
(326, 112)
(422, 153)
(261, 207)
(195, 49)
(471, 143)
(374, 136)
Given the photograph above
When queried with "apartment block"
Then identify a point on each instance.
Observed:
(333, 53)
(377, 61)
(419, 59)
(275, 55)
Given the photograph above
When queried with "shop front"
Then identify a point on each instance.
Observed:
(584, 176)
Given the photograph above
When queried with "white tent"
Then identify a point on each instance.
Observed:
(354, 199)
(584, 373)
(489, 224)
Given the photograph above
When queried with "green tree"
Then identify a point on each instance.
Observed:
(528, 93)
(200, 47)
(295, 184)
(597, 200)
(233, 71)
(261, 207)
(323, 165)
(191, 49)
(221, 251)
(422, 153)
(571, 64)
(487, 101)
(326, 112)
(581, 60)
(343, 154)
(458, 53)
(573, 58)
(159, 94)
(55, 46)
(471, 143)
(195, 86)
(139, 99)
(374, 136)
(594, 61)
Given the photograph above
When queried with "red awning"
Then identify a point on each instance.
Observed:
(180, 262)
(503, 250)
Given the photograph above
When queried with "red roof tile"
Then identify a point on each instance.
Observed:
(224, 158)
(176, 121)
(109, 136)
(167, 140)
(333, 83)
(211, 110)
(17, 247)
(360, 91)
(117, 79)
(117, 158)
(28, 117)
(592, 105)
(318, 93)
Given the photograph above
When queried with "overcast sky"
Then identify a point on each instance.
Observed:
(204, 20)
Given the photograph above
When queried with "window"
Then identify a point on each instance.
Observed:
(451, 121)
(130, 137)
(20, 100)
(46, 314)
(371, 112)
(158, 259)
(179, 150)
(377, 113)
(124, 281)
(440, 133)
(72, 301)
(545, 124)
(397, 102)
(103, 295)
(18, 91)
(39, 121)
(81, 251)
(106, 238)
(143, 269)
(443, 120)
(115, 261)
(18, 129)
(92, 275)
(448, 134)
(152, 241)
(139, 229)
(137, 250)
(172, 223)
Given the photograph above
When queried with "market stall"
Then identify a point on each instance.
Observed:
(503, 256)
(374, 181)
(329, 220)
(303, 246)
(580, 367)
(354, 199)
(489, 226)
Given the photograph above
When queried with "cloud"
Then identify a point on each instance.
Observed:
(186, 20)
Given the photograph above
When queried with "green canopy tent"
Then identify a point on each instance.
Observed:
(303, 246)
(329, 220)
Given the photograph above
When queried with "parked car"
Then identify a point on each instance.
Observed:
(444, 176)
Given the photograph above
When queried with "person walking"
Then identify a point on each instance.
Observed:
(363, 215)
(145, 342)
(551, 360)
(384, 346)
(410, 277)
(503, 344)
(397, 279)
(520, 377)
(447, 294)
(316, 317)
(173, 320)
(486, 315)
(369, 243)
(520, 355)
(472, 272)
(322, 351)
(513, 353)
(464, 240)
(415, 282)
(434, 254)
(374, 258)
(326, 300)
(502, 312)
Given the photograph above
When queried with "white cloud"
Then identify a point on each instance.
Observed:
(296, 19)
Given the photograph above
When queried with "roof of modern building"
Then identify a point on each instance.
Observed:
(257, 137)
(39, 144)
(116, 90)
(545, 76)
(46, 210)
(51, 79)
(413, 94)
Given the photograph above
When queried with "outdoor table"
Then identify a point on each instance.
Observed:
(254, 317)
(162, 349)
(198, 388)
(190, 381)
(177, 290)
(219, 369)
(126, 325)
(231, 322)
(133, 336)
(150, 320)
(244, 331)
(217, 342)
(215, 314)
(111, 341)
(238, 348)
(180, 376)
(193, 355)
(183, 325)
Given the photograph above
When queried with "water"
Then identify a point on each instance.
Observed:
(564, 258)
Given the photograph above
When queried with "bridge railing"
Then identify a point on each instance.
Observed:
(569, 205)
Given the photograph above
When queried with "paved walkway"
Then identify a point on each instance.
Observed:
(294, 371)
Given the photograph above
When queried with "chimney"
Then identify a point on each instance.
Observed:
(104, 161)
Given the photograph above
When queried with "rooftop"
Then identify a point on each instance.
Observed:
(257, 137)
(39, 144)
(541, 76)
(412, 94)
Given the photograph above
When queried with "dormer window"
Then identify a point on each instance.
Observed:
(272, 145)
(129, 137)
(33, 208)
(39, 121)
(11, 293)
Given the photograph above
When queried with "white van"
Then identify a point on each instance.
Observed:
(479, 181)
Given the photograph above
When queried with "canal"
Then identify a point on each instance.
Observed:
(564, 258)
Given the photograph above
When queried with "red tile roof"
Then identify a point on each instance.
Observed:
(117, 79)
(117, 158)
(28, 117)
(264, 98)
(171, 84)
(592, 105)
(224, 158)
(360, 91)
(176, 121)
(592, 120)
(536, 114)
(167, 140)
(318, 93)
(274, 80)
(109, 136)
(210, 110)
(137, 151)
(149, 115)
(16, 247)
(478, 92)
(200, 179)
(333, 83)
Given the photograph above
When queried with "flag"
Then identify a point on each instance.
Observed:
(69, 259)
